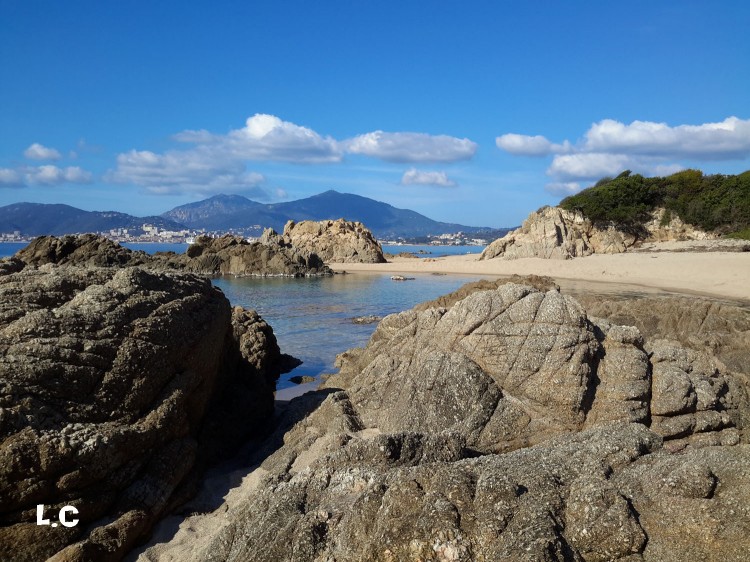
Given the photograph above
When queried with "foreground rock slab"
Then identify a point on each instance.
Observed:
(501, 423)
(116, 387)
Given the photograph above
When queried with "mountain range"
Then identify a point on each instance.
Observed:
(236, 213)
(35, 219)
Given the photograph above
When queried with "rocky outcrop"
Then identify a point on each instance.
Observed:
(719, 329)
(271, 256)
(226, 255)
(555, 233)
(609, 493)
(336, 241)
(665, 226)
(82, 250)
(509, 426)
(513, 366)
(116, 387)
(446, 301)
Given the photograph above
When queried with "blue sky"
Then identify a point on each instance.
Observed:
(474, 112)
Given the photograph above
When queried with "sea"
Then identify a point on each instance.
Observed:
(313, 318)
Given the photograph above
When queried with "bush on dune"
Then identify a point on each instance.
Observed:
(710, 202)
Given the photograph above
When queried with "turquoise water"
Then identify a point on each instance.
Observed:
(312, 317)
(430, 251)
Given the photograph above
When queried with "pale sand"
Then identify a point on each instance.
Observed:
(718, 274)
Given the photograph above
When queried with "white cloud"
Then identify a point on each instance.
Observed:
(525, 145)
(563, 188)
(411, 147)
(596, 165)
(52, 175)
(216, 162)
(39, 152)
(201, 170)
(645, 147)
(25, 176)
(726, 140)
(413, 176)
(268, 138)
(10, 178)
(589, 165)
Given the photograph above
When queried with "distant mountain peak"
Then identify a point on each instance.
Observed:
(221, 213)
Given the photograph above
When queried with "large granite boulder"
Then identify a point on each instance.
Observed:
(117, 386)
(335, 240)
(554, 233)
(513, 366)
(609, 493)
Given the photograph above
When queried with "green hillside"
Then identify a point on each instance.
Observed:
(710, 202)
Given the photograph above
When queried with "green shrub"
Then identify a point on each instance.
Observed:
(716, 202)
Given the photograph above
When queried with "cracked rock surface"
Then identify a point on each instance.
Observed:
(116, 387)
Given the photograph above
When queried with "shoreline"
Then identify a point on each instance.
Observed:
(723, 275)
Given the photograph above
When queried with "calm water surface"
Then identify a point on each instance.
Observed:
(312, 317)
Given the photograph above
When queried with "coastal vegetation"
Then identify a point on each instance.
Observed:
(714, 202)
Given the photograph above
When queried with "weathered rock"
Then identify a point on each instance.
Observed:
(446, 301)
(84, 249)
(226, 255)
(665, 226)
(513, 366)
(555, 233)
(271, 256)
(719, 328)
(116, 387)
(336, 241)
(596, 495)
(500, 429)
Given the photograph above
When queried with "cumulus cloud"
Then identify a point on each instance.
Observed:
(526, 145)
(645, 147)
(216, 162)
(268, 138)
(201, 170)
(591, 165)
(10, 178)
(411, 147)
(43, 175)
(726, 140)
(39, 152)
(413, 176)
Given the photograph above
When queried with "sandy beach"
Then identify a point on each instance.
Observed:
(717, 274)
